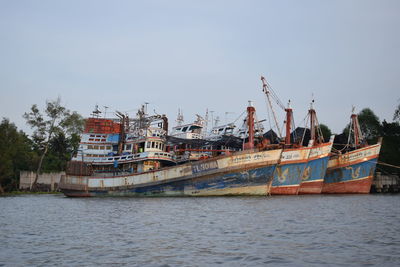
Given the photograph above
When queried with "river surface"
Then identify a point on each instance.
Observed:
(49, 230)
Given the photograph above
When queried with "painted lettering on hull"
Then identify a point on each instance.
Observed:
(205, 166)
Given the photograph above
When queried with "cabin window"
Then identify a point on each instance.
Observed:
(156, 145)
(108, 147)
(128, 147)
(152, 144)
(184, 129)
(92, 135)
(102, 147)
(91, 139)
(95, 147)
(148, 145)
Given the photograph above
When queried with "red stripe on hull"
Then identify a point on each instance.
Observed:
(362, 186)
(285, 190)
(311, 187)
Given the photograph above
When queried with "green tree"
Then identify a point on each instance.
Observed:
(16, 154)
(56, 120)
(58, 153)
(369, 124)
(390, 152)
(396, 116)
(326, 132)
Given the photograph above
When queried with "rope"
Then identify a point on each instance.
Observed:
(275, 96)
(239, 116)
(269, 106)
(305, 128)
(387, 164)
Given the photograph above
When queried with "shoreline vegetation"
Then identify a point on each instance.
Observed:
(21, 193)
(56, 137)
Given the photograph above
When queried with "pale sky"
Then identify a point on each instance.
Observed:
(196, 55)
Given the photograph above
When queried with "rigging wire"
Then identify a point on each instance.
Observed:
(274, 95)
(387, 164)
(305, 128)
(267, 89)
(239, 116)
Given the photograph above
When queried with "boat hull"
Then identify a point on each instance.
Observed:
(313, 176)
(288, 173)
(351, 173)
(245, 174)
(311, 187)
(314, 173)
(251, 182)
(287, 179)
(360, 186)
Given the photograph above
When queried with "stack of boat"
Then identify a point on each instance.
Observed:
(138, 157)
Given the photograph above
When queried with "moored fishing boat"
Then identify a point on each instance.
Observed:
(288, 173)
(352, 171)
(294, 156)
(145, 166)
(314, 172)
(313, 175)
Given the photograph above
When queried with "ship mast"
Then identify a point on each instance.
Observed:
(250, 124)
(312, 115)
(289, 118)
(355, 127)
(96, 112)
(123, 123)
(179, 119)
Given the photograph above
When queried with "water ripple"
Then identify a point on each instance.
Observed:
(44, 230)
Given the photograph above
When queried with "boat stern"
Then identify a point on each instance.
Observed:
(74, 186)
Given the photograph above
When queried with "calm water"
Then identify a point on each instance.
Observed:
(234, 231)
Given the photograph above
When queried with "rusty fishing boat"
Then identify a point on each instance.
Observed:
(313, 175)
(135, 157)
(302, 164)
(351, 168)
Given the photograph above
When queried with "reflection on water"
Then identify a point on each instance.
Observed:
(232, 231)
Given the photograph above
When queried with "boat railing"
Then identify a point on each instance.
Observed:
(134, 157)
(185, 135)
